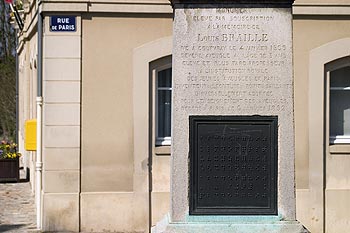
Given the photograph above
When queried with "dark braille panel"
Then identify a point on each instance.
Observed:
(233, 165)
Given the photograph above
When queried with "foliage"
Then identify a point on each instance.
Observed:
(7, 74)
(8, 150)
(8, 98)
(19, 4)
(7, 34)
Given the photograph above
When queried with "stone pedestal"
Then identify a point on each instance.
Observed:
(231, 60)
(222, 224)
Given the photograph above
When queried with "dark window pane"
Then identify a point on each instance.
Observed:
(164, 78)
(340, 113)
(340, 102)
(164, 113)
(340, 77)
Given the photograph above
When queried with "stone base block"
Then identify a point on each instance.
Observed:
(61, 212)
(165, 226)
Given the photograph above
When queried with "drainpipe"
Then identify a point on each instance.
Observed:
(17, 83)
(39, 103)
(39, 164)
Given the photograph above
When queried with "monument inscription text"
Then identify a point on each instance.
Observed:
(235, 61)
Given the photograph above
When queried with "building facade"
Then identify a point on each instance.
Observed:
(105, 84)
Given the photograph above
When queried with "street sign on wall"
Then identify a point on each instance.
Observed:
(63, 23)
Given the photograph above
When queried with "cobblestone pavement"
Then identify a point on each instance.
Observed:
(17, 208)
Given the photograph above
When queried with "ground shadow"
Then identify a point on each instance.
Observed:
(10, 227)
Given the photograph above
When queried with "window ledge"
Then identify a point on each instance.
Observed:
(162, 150)
(339, 149)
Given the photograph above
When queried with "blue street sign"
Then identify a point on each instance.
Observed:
(63, 24)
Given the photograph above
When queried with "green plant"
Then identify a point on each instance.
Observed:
(8, 150)
(19, 4)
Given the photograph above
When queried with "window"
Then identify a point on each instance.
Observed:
(339, 109)
(163, 106)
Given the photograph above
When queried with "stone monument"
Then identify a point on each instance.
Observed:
(233, 126)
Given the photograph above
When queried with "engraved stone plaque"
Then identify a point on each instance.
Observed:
(233, 165)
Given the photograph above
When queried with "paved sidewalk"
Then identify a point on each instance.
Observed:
(17, 208)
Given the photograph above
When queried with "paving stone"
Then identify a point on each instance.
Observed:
(17, 208)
